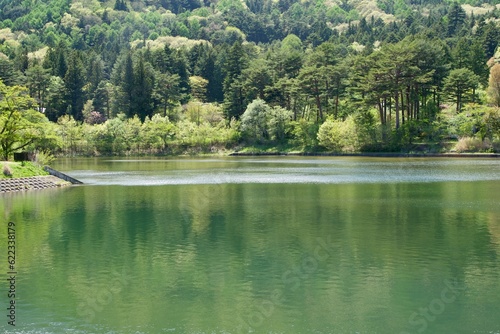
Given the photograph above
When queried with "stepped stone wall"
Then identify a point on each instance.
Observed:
(31, 183)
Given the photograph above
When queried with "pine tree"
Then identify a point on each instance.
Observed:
(233, 95)
(74, 81)
(458, 84)
(120, 5)
(38, 79)
(180, 67)
(127, 85)
(94, 75)
(101, 98)
(7, 72)
(456, 19)
(142, 99)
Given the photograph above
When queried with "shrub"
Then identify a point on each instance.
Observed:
(44, 158)
(495, 145)
(7, 171)
(198, 113)
(471, 144)
(305, 133)
(339, 136)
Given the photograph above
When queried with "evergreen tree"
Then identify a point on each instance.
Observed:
(490, 39)
(142, 98)
(206, 68)
(167, 91)
(233, 95)
(180, 67)
(74, 81)
(120, 5)
(38, 79)
(456, 18)
(163, 60)
(95, 73)
(102, 97)
(459, 84)
(7, 71)
(127, 85)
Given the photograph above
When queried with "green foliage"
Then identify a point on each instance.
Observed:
(279, 127)
(20, 124)
(366, 130)
(254, 121)
(198, 113)
(338, 136)
(157, 132)
(305, 133)
(204, 137)
(491, 124)
(305, 60)
(44, 158)
(74, 81)
(458, 85)
(291, 43)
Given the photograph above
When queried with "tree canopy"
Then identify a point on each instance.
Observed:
(400, 62)
(20, 124)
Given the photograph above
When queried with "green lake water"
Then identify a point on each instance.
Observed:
(261, 245)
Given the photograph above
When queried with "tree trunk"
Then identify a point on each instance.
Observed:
(396, 102)
(381, 112)
(402, 105)
(408, 103)
(385, 110)
(390, 110)
(336, 104)
(318, 105)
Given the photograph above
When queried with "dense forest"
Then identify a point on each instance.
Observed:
(175, 76)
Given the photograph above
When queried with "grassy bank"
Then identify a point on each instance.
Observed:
(18, 169)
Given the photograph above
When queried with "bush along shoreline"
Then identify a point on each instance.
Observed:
(264, 129)
(202, 128)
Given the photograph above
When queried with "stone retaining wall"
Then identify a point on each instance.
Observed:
(31, 183)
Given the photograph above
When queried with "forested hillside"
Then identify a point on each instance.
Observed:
(143, 76)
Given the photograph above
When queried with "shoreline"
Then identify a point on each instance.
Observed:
(369, 154)
(292, 153)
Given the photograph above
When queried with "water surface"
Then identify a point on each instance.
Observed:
(267, 245)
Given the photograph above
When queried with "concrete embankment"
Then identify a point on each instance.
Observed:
(31, 183)
(62, 176)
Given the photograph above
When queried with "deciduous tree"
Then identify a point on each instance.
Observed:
(494, 85)
(20, 124)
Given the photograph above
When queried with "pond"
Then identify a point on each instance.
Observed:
(262, 245)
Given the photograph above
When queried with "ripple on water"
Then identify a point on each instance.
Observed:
(296, 171)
